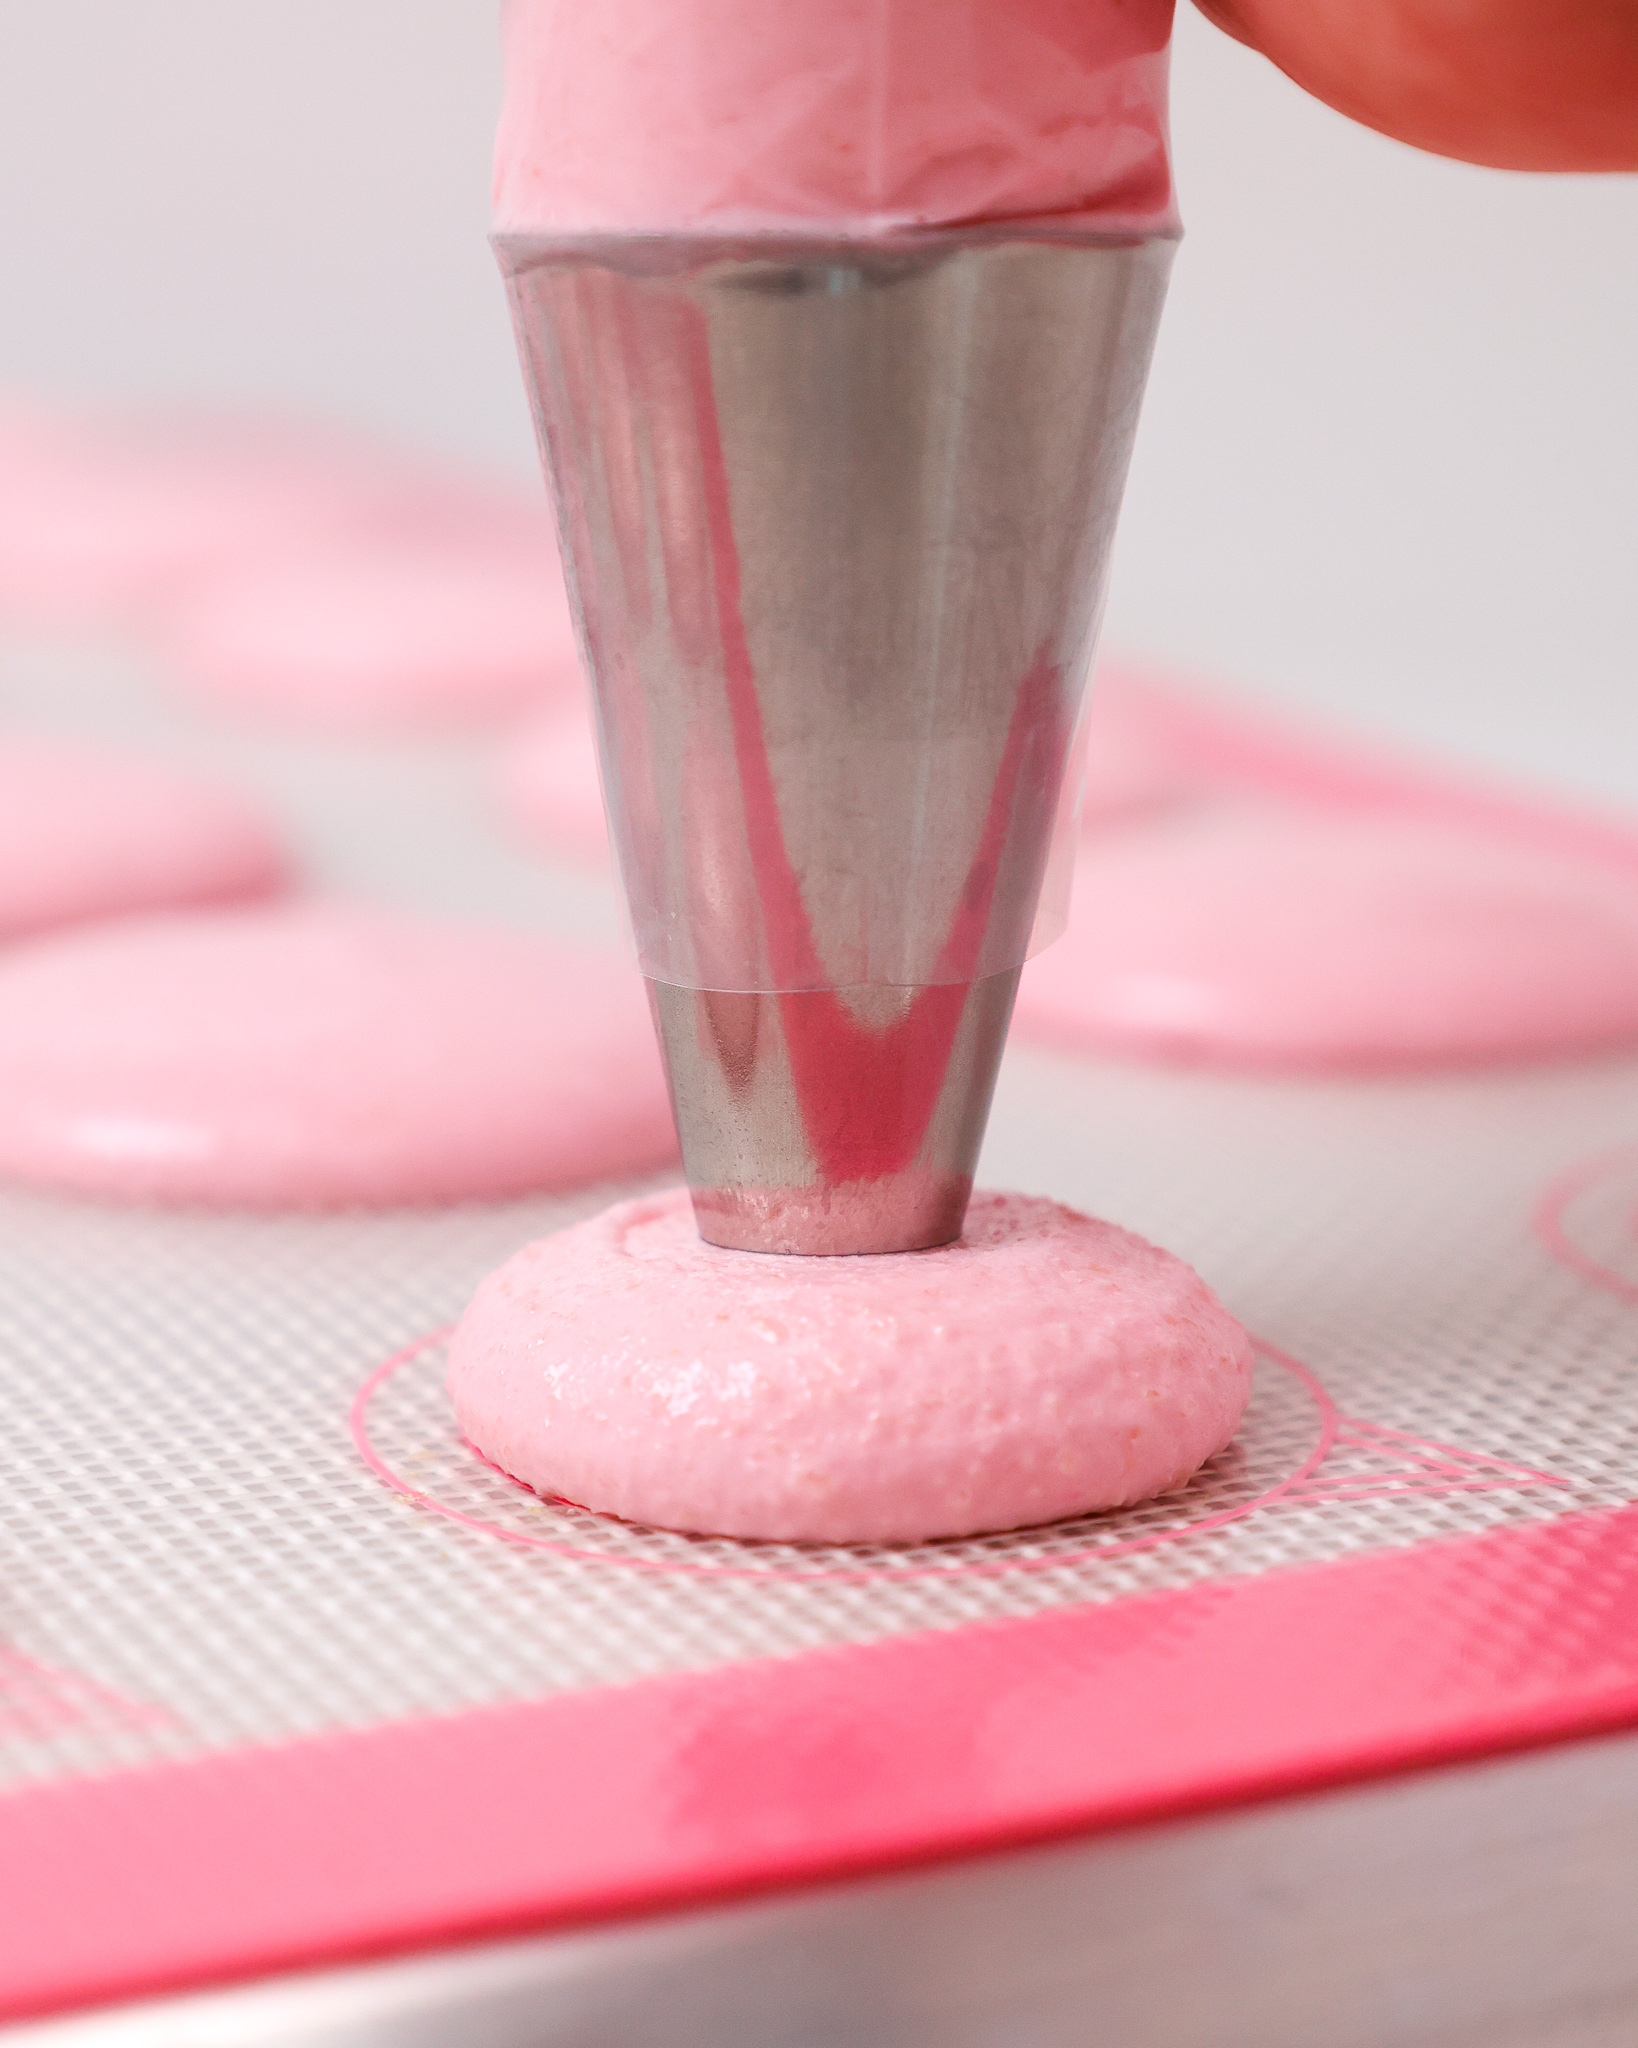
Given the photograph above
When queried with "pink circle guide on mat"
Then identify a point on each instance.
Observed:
(1045, 1365)
(1377, 1462)
(89, 834)
(814, 1563)
(321, 1055)
(1560, 1225)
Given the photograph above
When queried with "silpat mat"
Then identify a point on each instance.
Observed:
(288, 1675)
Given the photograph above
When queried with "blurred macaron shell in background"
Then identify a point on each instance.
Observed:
(550, 791)
(415, 637)
(87, 833)
(1290, 936)
(104, 516)
(1132, 761)
(322, 1055)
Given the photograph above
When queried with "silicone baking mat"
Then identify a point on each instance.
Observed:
(287, 1673)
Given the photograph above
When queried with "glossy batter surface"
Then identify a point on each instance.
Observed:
(1046, 1365)
(1286, 936)
(315, 1056)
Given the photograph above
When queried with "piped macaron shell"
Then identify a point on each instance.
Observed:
(1045, 1365)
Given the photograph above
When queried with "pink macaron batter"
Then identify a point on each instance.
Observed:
(112, 516)
(1045, 1365)
(550, 791)
(431, 632)
(319, 1055)
(720, 117)
(86, 833)
(1288, 936)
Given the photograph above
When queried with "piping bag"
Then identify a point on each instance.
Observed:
(835, 320)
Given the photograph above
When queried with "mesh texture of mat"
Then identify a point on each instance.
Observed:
(198, 1553)
(196, 1550)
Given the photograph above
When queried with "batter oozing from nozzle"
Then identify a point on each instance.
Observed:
(1045, 1365)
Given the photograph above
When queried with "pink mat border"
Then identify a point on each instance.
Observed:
(686, 1790)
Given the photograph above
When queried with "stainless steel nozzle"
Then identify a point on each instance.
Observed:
(836, 521)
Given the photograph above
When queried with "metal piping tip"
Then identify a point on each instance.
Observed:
(836, 521)
(833, 1121)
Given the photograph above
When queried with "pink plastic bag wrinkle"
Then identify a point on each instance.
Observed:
(643, 115)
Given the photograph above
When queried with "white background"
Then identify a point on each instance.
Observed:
(1389, 463)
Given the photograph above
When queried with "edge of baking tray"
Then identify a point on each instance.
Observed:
(686, 1789)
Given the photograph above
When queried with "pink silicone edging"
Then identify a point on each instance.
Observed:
(1227, 747)
(681, 1790)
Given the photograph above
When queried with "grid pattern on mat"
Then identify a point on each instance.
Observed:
(194, 1553)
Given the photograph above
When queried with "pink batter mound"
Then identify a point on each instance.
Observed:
(86, 834)
(316, 1056)
(1047, 1365)
(434, 633)
(738, 116)
(1285, 937)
